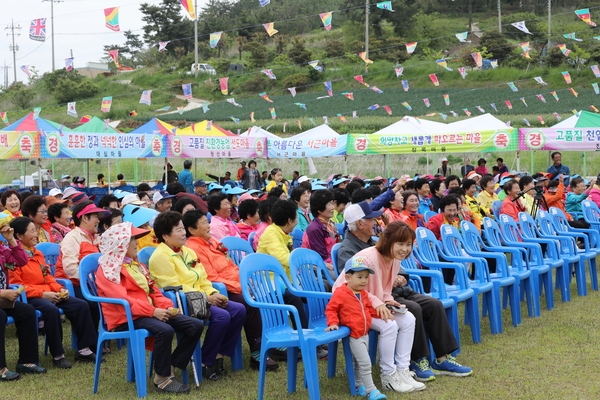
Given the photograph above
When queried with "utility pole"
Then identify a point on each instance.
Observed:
(499, 17)
(366, 31)
(5, 69)
(196, 38)
(14, 48)
(52, 27)
(549, 24)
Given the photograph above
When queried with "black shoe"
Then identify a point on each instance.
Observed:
(30, 369)
(279, 355)
(7, 375)
(89, 358)
(61, 363)
(272, 365)
(219, 367)
(210, 373)
(170, 385)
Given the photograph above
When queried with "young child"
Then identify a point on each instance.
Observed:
(350, 306)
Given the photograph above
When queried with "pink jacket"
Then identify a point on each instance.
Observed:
(595, 195)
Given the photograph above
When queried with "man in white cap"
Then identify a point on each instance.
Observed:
(445, 170)
(56, 192)
(162, 201)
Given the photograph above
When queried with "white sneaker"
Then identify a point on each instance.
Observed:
(407, 377)
(394, 383)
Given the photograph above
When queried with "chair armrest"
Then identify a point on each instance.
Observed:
(461, 270)
(482, 272)
(307, 293)
(67, 284)
(436, 276)
(220, 287)
(415, 283)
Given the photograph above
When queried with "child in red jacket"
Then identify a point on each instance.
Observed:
(350, 306)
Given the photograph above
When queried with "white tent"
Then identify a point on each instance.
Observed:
(411, 125)
(257, 131)
(481, 122)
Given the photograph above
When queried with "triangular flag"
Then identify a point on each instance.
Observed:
(573, 92)
(69, 64)
(349, 95)
(481, 110)
(526, 122)
(524, 102)
(512, 86)
(328, 88)
(71, 109)
(446, 99)
(188, 5)
(494, 64)
(572, 36)
(595, 70)
(252, 117)
(596, 88)
(462, 37)
(467, 112)
(326, 19)
(114, 55)
(315, 65)
(388, 109)
(521, 26)
(564, 49)
(301, 105)
(269, 73)
(342, 118)
(584, 15)
(373, 107)
(405, 85)
(594, 108)
(233, 102)
(494, 106)
(273, 114)
(525, 47)
(214, 39)
(363, 56)
(223, 85)
(410, 47)
(557, 116)
(567, 77)
(508, 104)
(187, 90)
(477, 58)
(181, 109)
(359, 78)
(463, 72)
(399, 71)
(434, 80)
(444, 64)
(541, 97)
(265, 96)
(539, 117)
(4, 117)
(269, 27)
(111, 16)
(106, 104)
(145, 98)
(554, 95)
(292, 91)
(299, 124)
(36, 112)
(205, 108)
(162, 46)
(385, 5)
(539, 80)
(405, 104)
(426, 101)
(376, 89)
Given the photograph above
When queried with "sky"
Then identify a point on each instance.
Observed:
(79, 26)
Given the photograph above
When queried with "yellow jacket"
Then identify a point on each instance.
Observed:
(275, 242)
(171, 269)
(486, 200)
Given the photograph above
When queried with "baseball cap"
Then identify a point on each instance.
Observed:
(92, 209)
(357, 264)
(303, 178)
(361, 210)
(131, 198)
(245, 196)
(70, 191)
(55, 192)
(472, 175)
(504, 180)
(119, 194)
(161, 195)
(444, 159)
(199, 182)
(138, 233)
(228, 189)
(214, 186)
(137, 215)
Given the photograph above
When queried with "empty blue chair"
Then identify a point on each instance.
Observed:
(428, 215)
(297, 238)
(591, 214)
(238, 248)
(429, 253)
(136, 353)
(496, 206)
(263, 292)
(454, 244)
(145, 254)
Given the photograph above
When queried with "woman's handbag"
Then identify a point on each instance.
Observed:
(198, 305)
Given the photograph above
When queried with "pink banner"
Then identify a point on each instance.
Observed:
(217, 147)
(566, 139)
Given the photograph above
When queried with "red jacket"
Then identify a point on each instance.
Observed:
(35, 276)
(512, 208)
(346, 309)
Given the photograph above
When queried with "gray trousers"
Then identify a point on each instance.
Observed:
(362, 362)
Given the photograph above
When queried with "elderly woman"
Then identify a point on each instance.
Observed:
(221, 268)
(410, 214)
(174, 264)
(34, 207)
(120, 275)
(512, 205)
(221, 224)
(108, 220)
(249, 216)
(321, 234)
(301, 195)
(184, 205)
(11, 201)
(60, 218)
(396, 330)
(13, 257)
(47, 295)
(393, 210)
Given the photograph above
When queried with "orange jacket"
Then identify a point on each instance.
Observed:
(35, 276)
(85, 248)
(557, 199)
(345, 309)
(114, 314)
(218, 266)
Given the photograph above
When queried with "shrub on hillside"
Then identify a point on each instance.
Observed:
(555, 57)
(259, 56)
(297, 81)
(19, 94)
(594, 55)
(67, 91)
(221, 66)
(257, 83)
(334, 48)
(496, 45)
(298, 53)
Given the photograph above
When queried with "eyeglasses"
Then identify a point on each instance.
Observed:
(42, 211)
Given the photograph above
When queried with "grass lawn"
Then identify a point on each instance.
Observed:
(548, 357)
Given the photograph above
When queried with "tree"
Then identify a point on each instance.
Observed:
(165, 22)
(496, 44)
(298, 53)
(259, 56)
(19, 94)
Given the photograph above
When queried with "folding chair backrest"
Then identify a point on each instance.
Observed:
(428, 215)
(559, 220)
(341, 229)
(238, 248)
(251, 239)
(51, 251)
(544, 220)
(528, 226)
(87, 277)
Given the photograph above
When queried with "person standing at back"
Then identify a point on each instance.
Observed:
(251, 177)
(444, 170)
(185, 177)
(241, 170)
(557, 168)
(465, 169)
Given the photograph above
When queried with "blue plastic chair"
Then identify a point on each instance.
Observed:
(208, 217)
(428, 215)
(591, 214)
(145, 254)
(341, 229)
(309, 273)
(129, 188)
(261, 291)
(496, 206)
(473, 243)
(452, 250)
(136, 353)
(429, 253)
(455, 246)
(297, 238)
(238, 248)
(334, 257)
(251, 239)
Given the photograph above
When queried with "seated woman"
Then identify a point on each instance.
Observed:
(46, 295)
(120, 275)
(301, 195)
(184, 205)
(174, 264)
(11, 202)
(249, 217)
(409, 214)
(221, 224)
(140, 217)
(264, 212)
(14, 257)
(393, 210)
(321, 234)
(221, 268)
(512, 205)
(34, 207)
(60, 217)
(108, 220)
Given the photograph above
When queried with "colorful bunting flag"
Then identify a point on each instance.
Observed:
(232, 101)
(25, 68)
(539, 80)
(388, 109)
(313, 121)
(596, 37)
(426, 101)
(315, 65)
(292, 91)
(508, 104)
(363, 56)
(494, 106)
(507, 123)
(71, 111)
(446, 99)
(444, 116)
(573, 92)
(37, 30)
(106, 104)
(214, 39)
(477, 58)
(84, 119)
(328, 88)
(188, 5)
(273, 114)
(326, 19)
(223, 85)
(595, 70)
(572, 36)
(187, 90)
(405, 85)
(494, 64)
(205, 108)
(512, 86)
(252, 117)
(594, 108)
(359, 79)
(146, 97)
(265, 96)
(4, 116)
(354, 114)
(69, 64)
(557, 116)
(463, 72)
(525, 48)
(444, 64)
(111, 15)
(567, 77)
(376, 89)
(162, 46)
(165, 108)
(524, 102)
(462, 37)
(373, 107)
(269, 73)
(455, 115)
(481, 110)
(539, 117)
(325, 120)
(574, 112)
(584, 15)
(434, 80)
(234, 119)
(521, 26)
(36, 112)
(208, 123)
(301, 105)
(114, 55)
(399, 71)
(342, 118)
(564, 49)
(541, 97)
(467, 112)
(554, 95)
(299, 124)
(264, 2)
(385, 5)
(410, 47)
(181, 109)
(269, 27)
(349, 95)
(526, 122)
(408, 107)
(596, 88)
